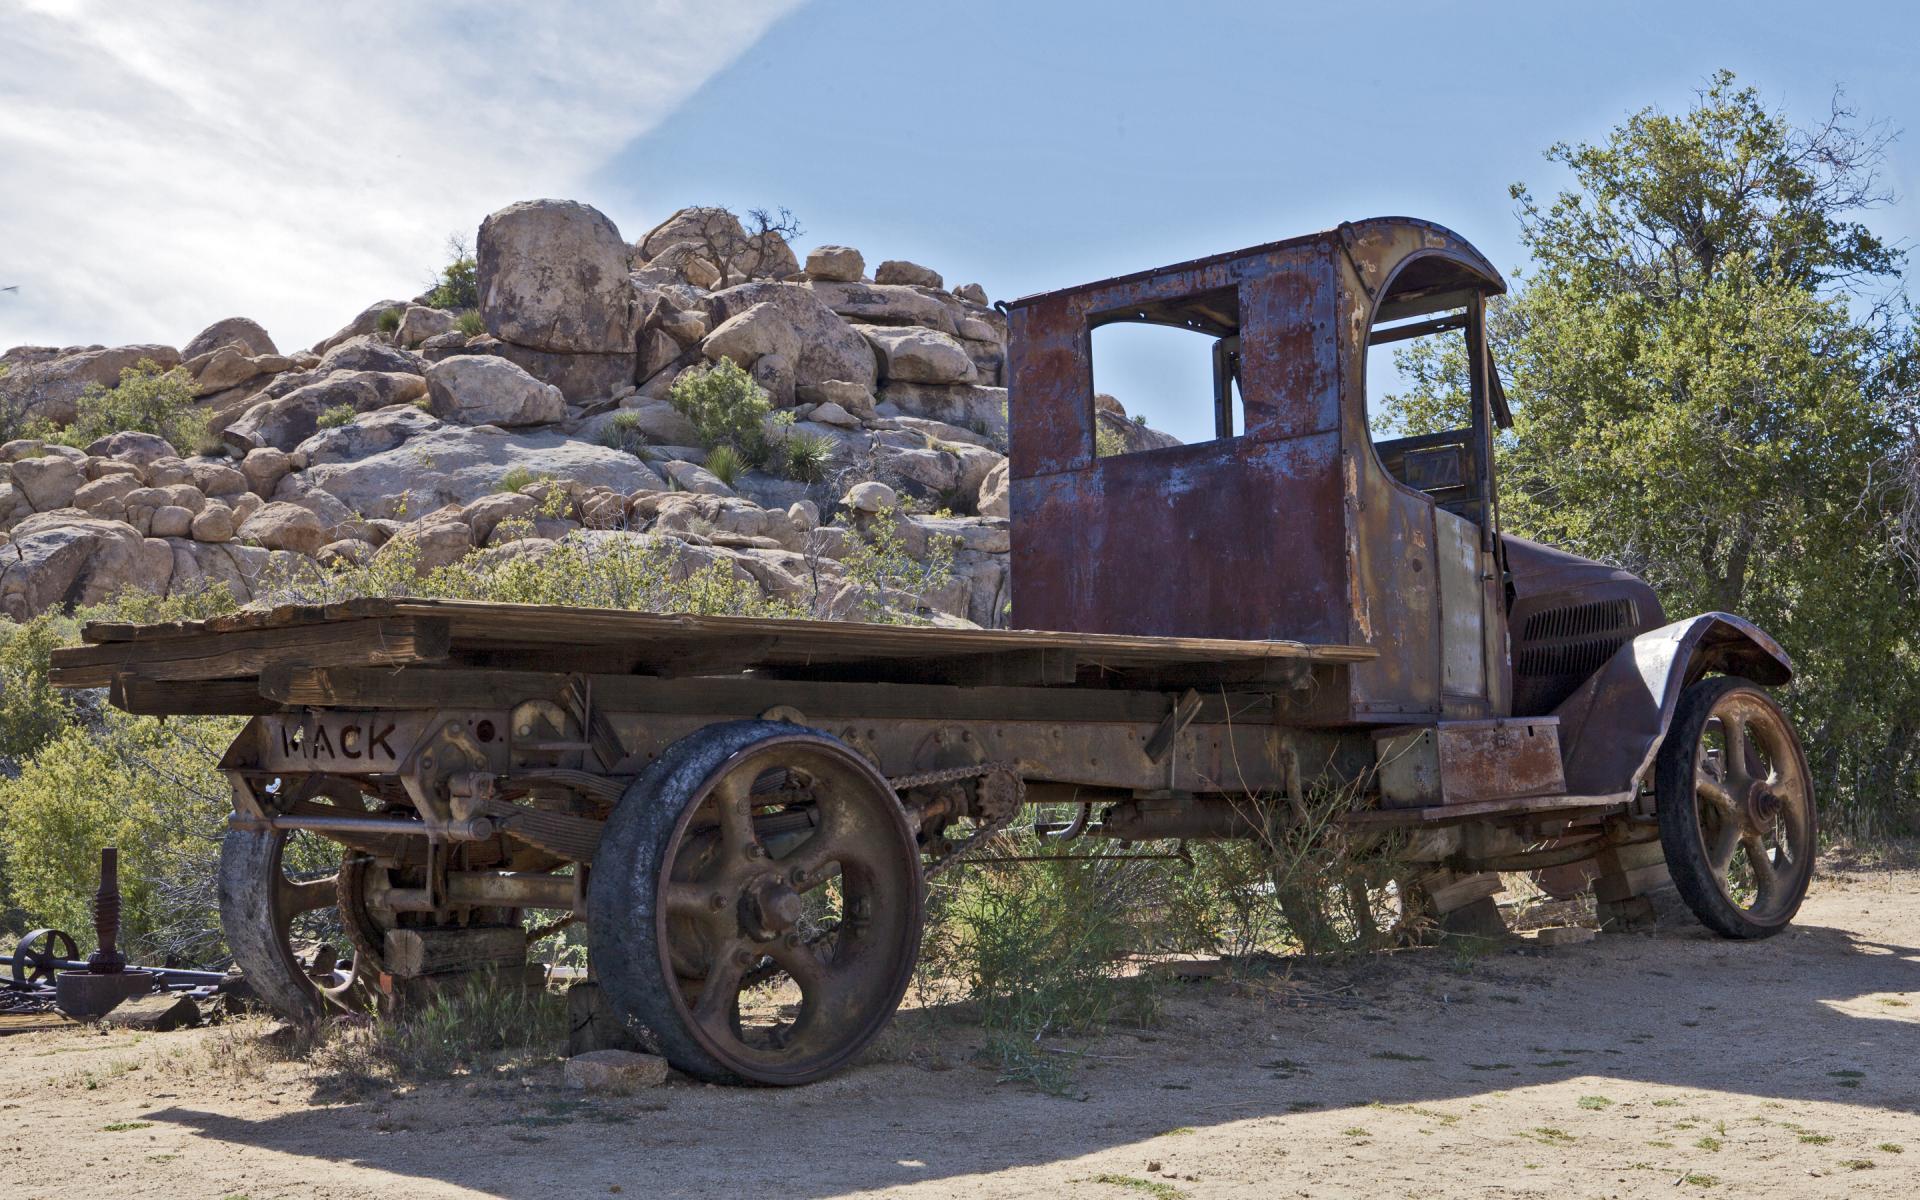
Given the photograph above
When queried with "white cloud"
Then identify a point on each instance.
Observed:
(166, 165)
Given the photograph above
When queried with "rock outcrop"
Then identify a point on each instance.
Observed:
(403, 438)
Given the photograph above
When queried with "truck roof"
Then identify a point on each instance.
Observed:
(1349, 230)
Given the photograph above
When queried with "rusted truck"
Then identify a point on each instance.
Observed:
(1203, 633)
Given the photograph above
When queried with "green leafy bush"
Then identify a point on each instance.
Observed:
(338, 415)
(32, 711)
(726, 406)
(887, 582)
(149, 399)
(389, 321)
(471, 324)
(151, 789)
(457, 285)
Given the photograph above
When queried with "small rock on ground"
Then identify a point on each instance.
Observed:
(614, 1071)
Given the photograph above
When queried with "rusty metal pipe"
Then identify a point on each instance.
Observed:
(1148, 820)
(476, 829)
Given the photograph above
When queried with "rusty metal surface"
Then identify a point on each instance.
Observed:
(1293, 529)
(1467, 762)
(1613, 723)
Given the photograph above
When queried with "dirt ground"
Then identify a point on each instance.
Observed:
(1663, 1064)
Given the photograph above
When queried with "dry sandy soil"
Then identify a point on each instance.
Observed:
(1665, 1064)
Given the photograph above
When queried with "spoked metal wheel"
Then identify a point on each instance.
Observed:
(755, 904)
(277, 895)
(303, 949)
(1736, 809)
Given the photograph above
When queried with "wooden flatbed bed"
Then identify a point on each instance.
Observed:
(210, 665)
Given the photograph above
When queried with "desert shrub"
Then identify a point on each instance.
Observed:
(1037, 947)
(519, 479)
(724, 463)
(149, 788)
(456, 285)
(388, 321)
(471, 324)
(725, 406)
(1108, 442)
(32, 711)
(806, 457)
(622, 432)
(149, 399)
(338, 415)
(885, 582)
(600, 570)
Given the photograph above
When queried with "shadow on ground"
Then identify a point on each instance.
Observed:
(1791, 1020)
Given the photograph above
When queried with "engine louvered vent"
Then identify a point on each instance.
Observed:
(1579, 620)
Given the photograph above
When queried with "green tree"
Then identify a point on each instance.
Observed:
(1710, 363)
(457, 285)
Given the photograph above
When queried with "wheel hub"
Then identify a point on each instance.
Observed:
(1762, 807)
(769, 908)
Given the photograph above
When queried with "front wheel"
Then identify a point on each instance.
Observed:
(1735, 803)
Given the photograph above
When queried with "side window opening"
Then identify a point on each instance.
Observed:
(1420, 400)
(1167, 374)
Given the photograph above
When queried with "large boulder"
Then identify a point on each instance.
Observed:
(914, 355)
(285, 422)
(682, 262)
(478, 389)
(48, 482)
(715, 233)
(61, 559)
(760, 330)
(233, 331)
(968, 406)
(553, 276)
(284, 526)
(366, 322)
(420, 322)
(52, 388)
(911, 274)
(658, 421)
(370, 354)
(445, 464)
(580, 377)
(992, 499)
(891, 304)
(829, 349)
(835, 264)
(228, 367)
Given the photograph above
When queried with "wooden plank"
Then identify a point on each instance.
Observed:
(248, 652)
(142, 696)
(412, 953)
(1010, 668)
(742, 696)
(786, 641)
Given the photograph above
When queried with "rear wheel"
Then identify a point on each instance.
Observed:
(1735, 805)
(755, 904)
(278, 892)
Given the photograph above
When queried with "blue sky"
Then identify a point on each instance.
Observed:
(1019, 145)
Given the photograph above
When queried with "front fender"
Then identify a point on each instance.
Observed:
(1612, 725)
